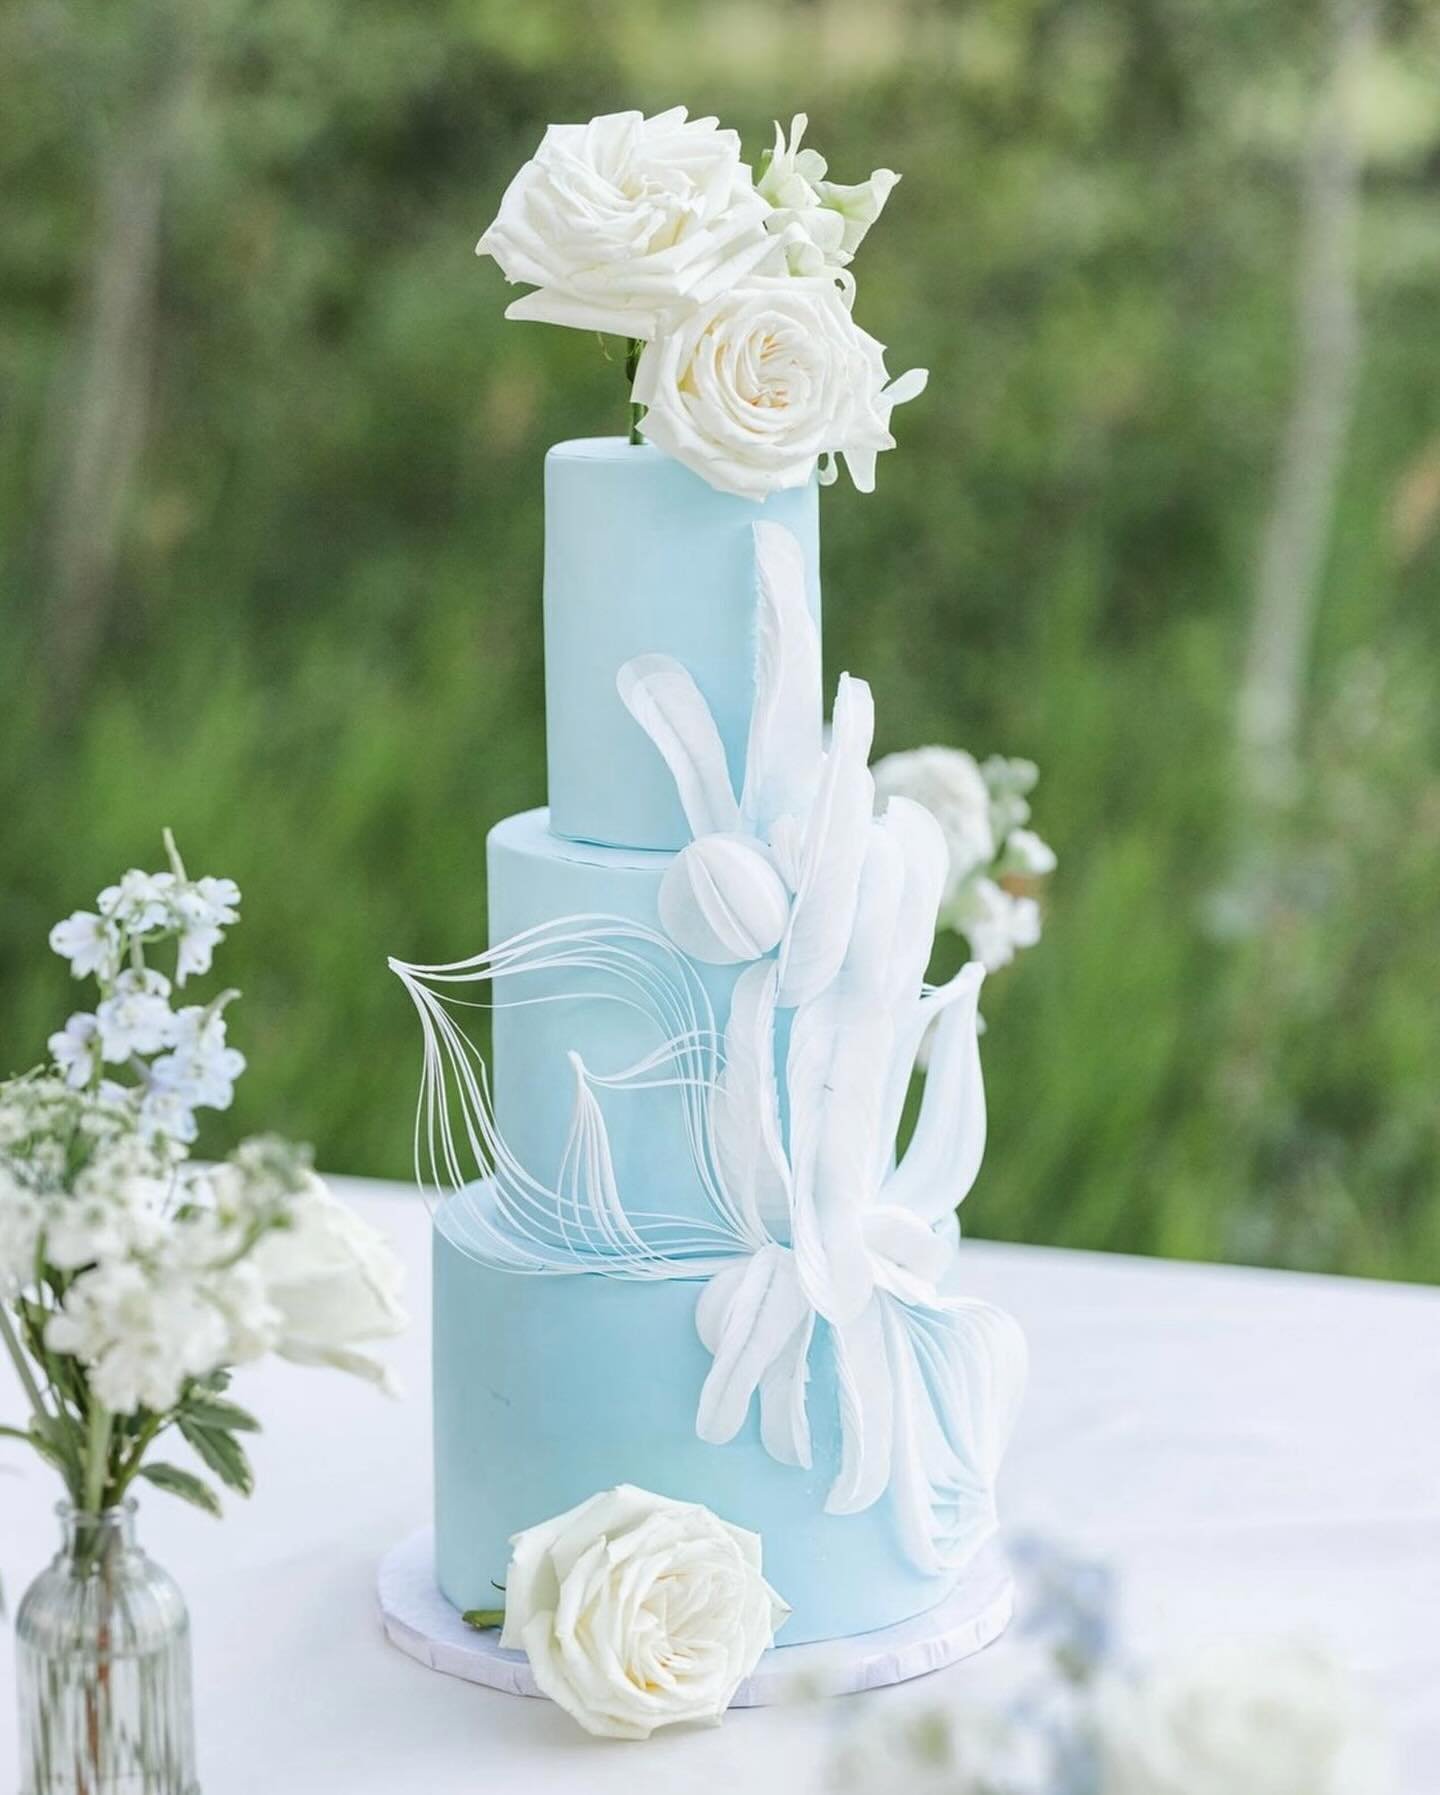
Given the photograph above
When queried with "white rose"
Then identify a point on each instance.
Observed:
(628, 220)
(823, 221)
(1269, 1720)
(637, 1611)
(334, 1280)
(754, 389)
(948, 783)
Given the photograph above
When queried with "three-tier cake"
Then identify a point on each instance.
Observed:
(689, 1258)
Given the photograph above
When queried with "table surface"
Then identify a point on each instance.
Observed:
(1256, 1452)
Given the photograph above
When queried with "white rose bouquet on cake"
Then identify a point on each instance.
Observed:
(735, 295)
(132, 1280)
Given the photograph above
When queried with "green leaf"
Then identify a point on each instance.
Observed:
(213, 1414)
(483, 1618)
(221, 1452)
(184, 1484)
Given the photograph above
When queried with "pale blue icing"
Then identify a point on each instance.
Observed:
(643, 557)
(550, 1388)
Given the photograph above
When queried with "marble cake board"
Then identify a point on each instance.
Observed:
(423, 1624)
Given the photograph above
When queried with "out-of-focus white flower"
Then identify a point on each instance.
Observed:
(964, 1750)
(89, 942)
(754, 389)
(334, 1280)
(140, 902)
(137, 1017)
(165, 1115)
(947, 782)
(1266, 1719)
(20, 1218)
(637, 1611)
(823, 222)
(141, 1331)
(1027, 855)
(1009, 782)
(995, 922)
(74, 1049)
(627, 221)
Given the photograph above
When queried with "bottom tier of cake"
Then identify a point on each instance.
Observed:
(550, 1388)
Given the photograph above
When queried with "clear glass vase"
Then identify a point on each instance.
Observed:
(102, 1644)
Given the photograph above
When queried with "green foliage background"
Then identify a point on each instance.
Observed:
(313, 645)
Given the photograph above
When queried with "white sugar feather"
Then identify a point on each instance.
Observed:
(667, 704)
(784, 751)
(834, 850)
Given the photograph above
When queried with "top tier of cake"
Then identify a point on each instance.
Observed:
(643, 557)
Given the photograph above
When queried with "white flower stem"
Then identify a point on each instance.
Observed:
(24, 1373)
(177, 865)
(633, 346)
(97, 1455)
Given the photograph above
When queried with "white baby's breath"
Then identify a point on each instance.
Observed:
(981, 810)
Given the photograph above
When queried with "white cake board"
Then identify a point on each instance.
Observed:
(423, 1624)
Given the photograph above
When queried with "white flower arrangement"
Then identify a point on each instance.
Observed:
(1236, 1717)
(131, 1280)
(996, 861)
(735, 295)
(637, 1611)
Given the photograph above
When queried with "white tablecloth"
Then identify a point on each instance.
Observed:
(1255, 1451)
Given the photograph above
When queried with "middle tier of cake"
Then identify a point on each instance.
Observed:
(537, 879)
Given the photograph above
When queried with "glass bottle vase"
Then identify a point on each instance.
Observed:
(102, 1642)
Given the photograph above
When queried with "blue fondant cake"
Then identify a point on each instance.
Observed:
(687, 1256)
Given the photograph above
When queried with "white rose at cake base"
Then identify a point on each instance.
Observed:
(638, 1612)
(754, 389)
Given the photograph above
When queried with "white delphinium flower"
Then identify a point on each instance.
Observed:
(90, 943)
(75, 1049)
(200, 1068)
(203, 910)
(966, 1750)
(824, 223)
(335, 1281)
(626, 222)
(140, 903)
(948, 783)
(754, 389)
(136, 1018)
(1268, 1719)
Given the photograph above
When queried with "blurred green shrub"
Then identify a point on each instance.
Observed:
(313, 642)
